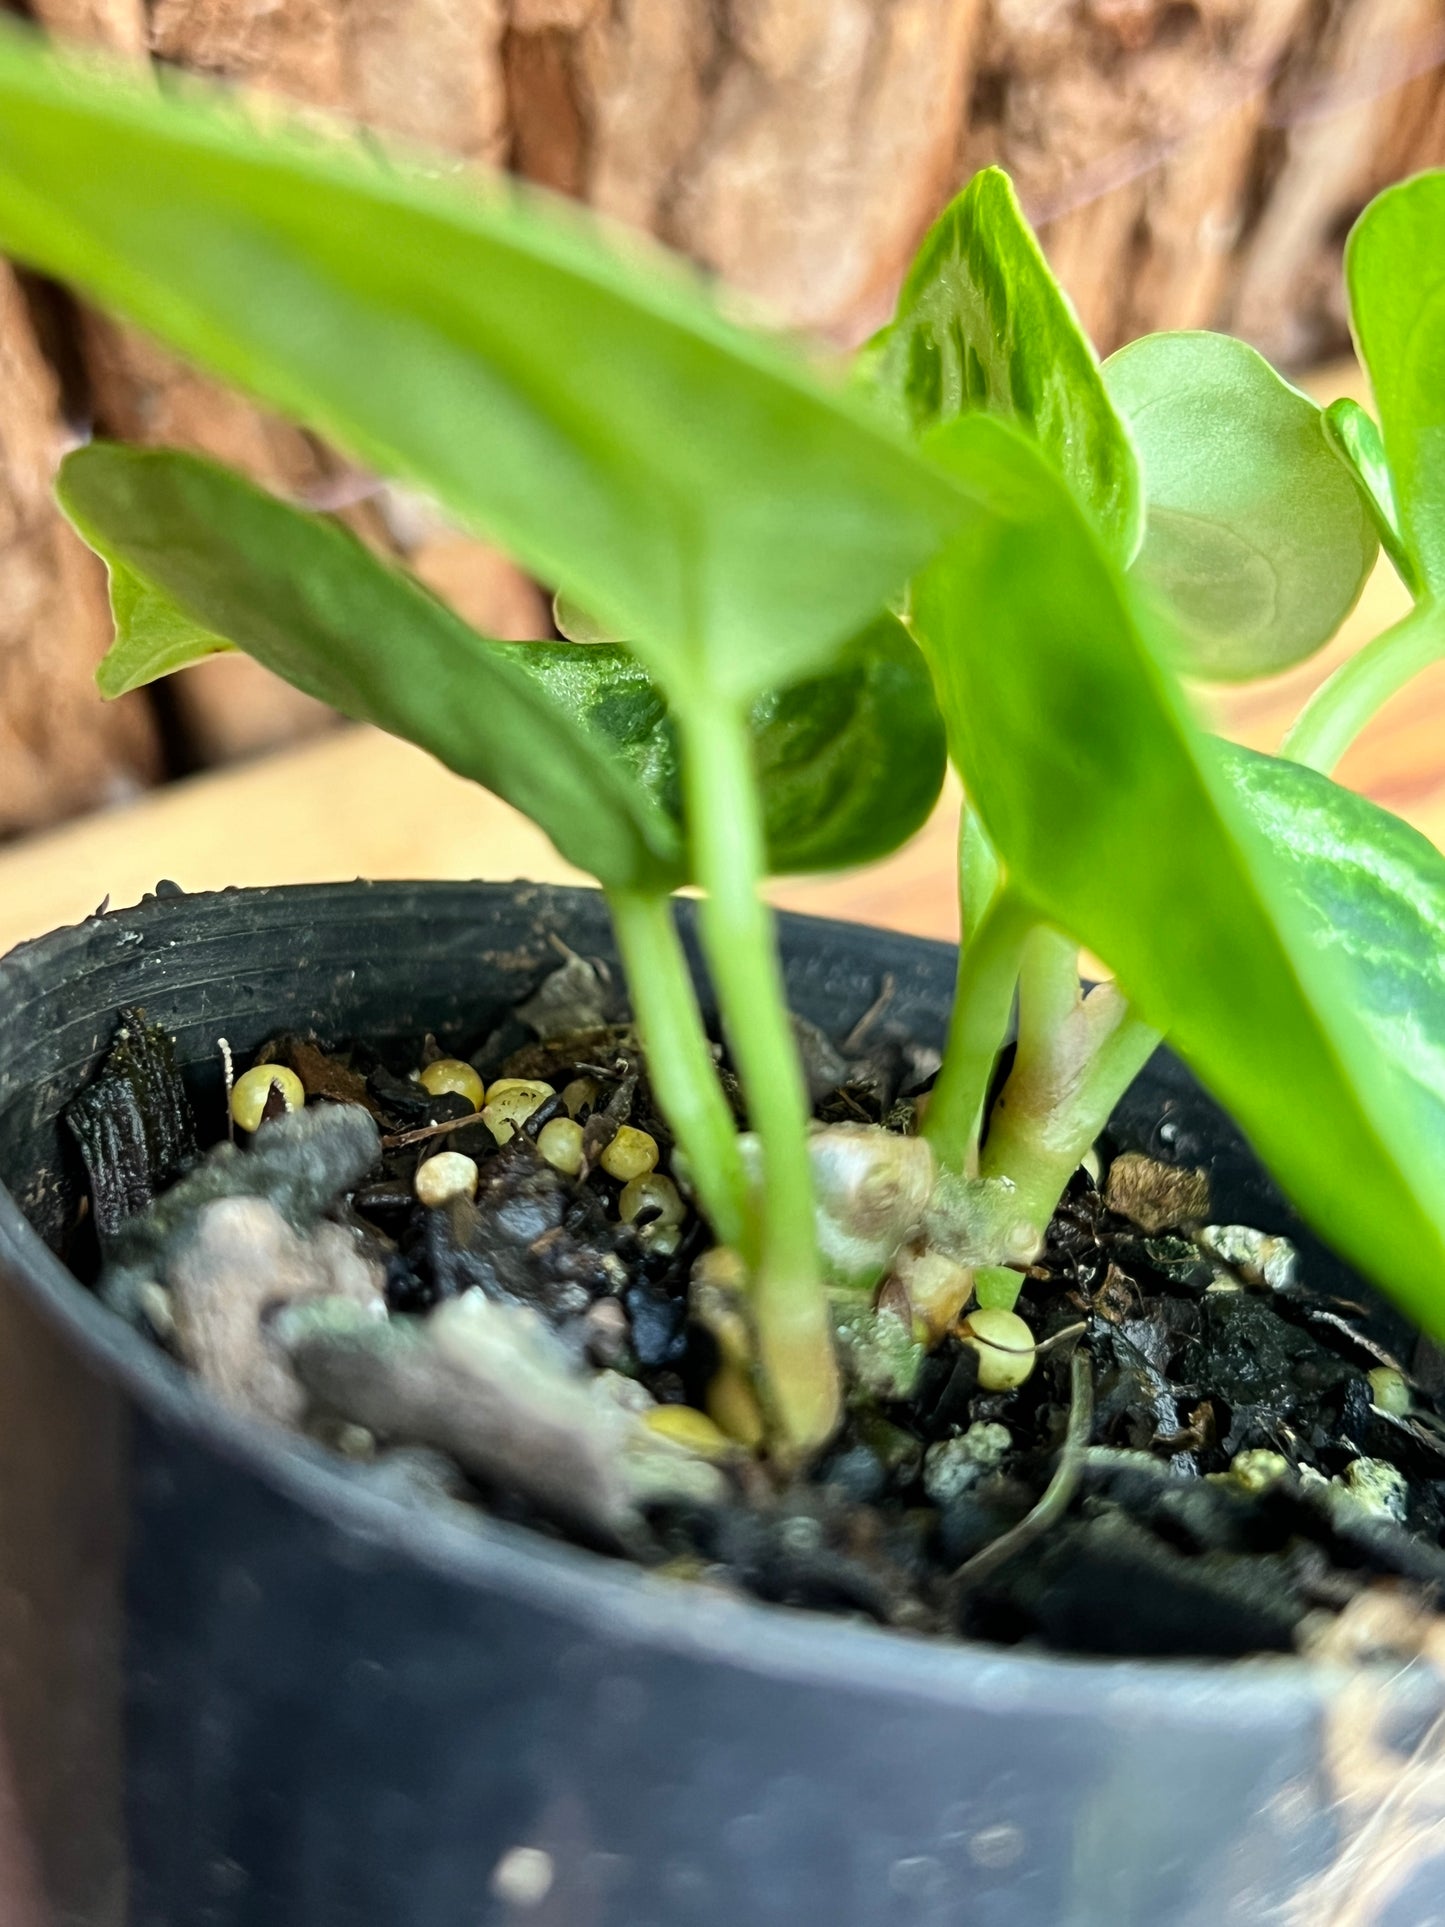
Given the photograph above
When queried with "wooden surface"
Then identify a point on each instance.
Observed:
(1188, 165)
(355, 803)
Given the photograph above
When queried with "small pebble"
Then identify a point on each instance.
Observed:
(1257, 1470)
(510, 1102)
(560, 1143)
(1265, 1262)
(662, 1240)
(952, 1465)
(1004, 1344)
(523, 1877)
(605, 1323)
(631, 1154)
(1379, 1487)
(448, 1175)
(253, 1088)
(450, 1076)
(1389, 1391)
(655, 1193)
(580, 1095)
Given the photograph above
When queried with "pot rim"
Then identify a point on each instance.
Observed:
(606, 1596)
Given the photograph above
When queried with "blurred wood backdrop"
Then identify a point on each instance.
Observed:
(1189, 163)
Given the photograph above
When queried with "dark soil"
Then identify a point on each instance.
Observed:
(1118, 1502)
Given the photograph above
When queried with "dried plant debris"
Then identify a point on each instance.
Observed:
(1211, 1455)
(133, 1124)
(492, 1387)
(238, 1263)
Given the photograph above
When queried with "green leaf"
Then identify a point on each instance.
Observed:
(1116, 818)
(982, 324)
(1395, 268)
(1369, 890)
(304, 597)
(1255, 536)
(575, 623)
(850, 763)
(157, 632)
(696, 487)
(1356, 439)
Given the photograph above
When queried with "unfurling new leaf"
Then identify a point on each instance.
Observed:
(982, 324)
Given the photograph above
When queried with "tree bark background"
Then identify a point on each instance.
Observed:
(1190, 163)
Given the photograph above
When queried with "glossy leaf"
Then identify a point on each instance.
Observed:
(307, 600)
(1116, 817)
(1255, 535)
(983, 324)
(1369, 890)
(850, 763)
(699, 489)
(1356, 439)
(1395, 267)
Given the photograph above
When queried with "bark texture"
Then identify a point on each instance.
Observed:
(1191, 163)
(61, 749)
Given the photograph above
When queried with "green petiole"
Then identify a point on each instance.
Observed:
(988, 970)
(679, 1057)
(725, 831)
(1340, 708)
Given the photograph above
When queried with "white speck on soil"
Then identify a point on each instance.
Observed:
(998, 1846)
(919, 1877)
(523, 1876)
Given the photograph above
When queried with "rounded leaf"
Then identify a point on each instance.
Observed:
(1255, 536)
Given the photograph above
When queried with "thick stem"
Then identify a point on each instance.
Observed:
(1058, 1098)
(725, 832)
(679, 1060)
(1341, 706)
(988, 969)
(1049, 994)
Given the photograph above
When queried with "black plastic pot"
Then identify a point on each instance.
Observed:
(244, 1687)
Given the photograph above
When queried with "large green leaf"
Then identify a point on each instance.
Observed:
(850, 762)
(1256, 534)
(193, 544)
(1370, 891)
(1115, 816)
(700, 489)
(1395, 266)
(982, 324)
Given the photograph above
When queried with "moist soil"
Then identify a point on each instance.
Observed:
(1200, 1464)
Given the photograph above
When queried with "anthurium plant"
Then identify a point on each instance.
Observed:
(806, 586)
